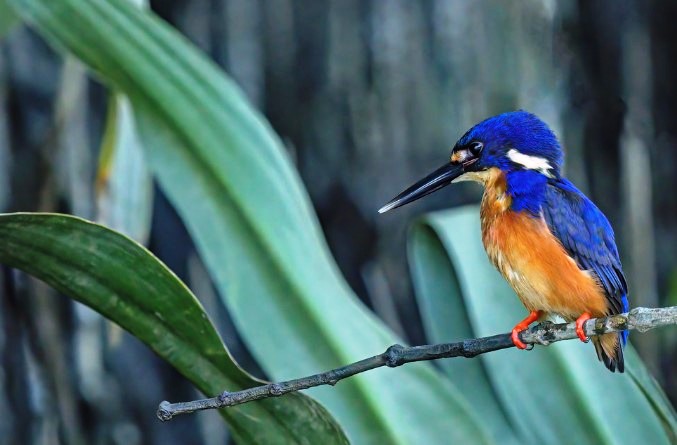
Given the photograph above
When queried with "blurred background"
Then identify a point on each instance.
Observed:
(368, 97)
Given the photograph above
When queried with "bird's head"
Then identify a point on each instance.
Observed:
(517, 143)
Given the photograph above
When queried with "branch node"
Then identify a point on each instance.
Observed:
(328, 379)
(545, 332)
(275, 389)
(225, 398)
(393, 356)
(163, 412)
(468, 348)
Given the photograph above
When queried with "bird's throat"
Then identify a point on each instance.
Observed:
(495, 200)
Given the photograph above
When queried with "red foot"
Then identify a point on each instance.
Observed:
(522, 325)
(580, 330)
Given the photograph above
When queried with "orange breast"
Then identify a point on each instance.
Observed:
(533, 261)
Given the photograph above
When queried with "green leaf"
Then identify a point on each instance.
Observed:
(8, 18)
(124, 282)
(654, 393)
(548, 393)
(227, 174)
(124, 186)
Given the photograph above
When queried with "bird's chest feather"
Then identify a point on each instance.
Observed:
(532, 260)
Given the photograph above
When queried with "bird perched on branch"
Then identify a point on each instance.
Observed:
(549, 241)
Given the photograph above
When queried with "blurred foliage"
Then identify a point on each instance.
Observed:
(366, 95)
(7, 18)
(242, 202)
(124, 187)
(127, 284)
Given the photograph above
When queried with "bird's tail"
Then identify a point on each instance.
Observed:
(609, 349)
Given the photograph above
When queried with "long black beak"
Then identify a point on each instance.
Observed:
(431, 183)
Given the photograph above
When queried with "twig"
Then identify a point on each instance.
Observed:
(641, 319)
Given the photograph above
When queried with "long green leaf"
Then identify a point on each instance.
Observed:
(124, 282)
(124, 186)
(549, 393)
(230, 179)
(8, 18)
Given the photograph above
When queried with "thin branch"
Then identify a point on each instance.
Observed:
(641, 319)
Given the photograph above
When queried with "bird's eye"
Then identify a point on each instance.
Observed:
(475, 147)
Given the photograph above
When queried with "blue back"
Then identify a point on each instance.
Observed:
(587, 236)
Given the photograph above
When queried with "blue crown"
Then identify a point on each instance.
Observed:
(518, 130)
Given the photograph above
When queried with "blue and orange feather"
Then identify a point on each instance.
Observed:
(572, 219)
(550, 242)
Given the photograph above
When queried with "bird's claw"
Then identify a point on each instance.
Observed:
(580, 327)
(515, 337)
(521, 326)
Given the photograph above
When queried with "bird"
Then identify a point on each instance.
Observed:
(550, 242)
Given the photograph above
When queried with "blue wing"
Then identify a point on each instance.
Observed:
(588, 237)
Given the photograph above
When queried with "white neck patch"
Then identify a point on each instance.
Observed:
(531, 162)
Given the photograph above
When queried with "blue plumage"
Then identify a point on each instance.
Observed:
(573, 219)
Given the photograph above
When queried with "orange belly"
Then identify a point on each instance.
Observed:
(533, 261)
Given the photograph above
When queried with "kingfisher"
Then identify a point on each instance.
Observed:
(550, 242)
